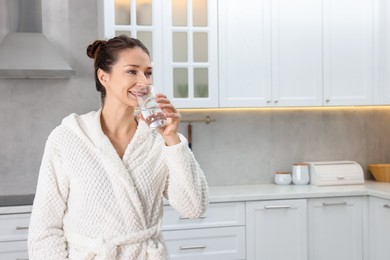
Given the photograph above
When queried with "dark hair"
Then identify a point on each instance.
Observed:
(105, 55)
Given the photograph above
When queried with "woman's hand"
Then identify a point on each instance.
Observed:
(169, 131)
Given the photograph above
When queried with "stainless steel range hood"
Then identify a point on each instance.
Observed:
(25, 52)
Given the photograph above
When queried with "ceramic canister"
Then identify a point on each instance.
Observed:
(300, 174)
(282, 178)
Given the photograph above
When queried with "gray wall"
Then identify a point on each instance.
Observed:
(240, 147)
(246, 147)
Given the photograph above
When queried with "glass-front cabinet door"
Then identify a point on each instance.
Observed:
(181, 36)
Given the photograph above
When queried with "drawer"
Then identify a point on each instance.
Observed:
(14, 227)
(217, 215)
(225, 243)
(13, 250)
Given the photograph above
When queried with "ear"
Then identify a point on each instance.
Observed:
(103, 77)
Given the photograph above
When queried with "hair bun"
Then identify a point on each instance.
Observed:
(94, 48)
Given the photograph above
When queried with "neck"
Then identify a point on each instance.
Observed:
(117, 120)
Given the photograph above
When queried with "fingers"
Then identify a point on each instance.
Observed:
(166, 105)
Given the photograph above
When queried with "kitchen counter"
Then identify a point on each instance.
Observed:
(16, 200)
(276, 192)
(12, 204)
(249, 193)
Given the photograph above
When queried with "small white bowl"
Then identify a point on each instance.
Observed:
(282, 178)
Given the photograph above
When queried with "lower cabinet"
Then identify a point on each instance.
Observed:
(335, 228)
(219, 234)
(276, 230)
(379, 219)
(16, 250)
(13, 236)
(208, 244)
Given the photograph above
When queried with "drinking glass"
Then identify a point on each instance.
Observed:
(153, 115)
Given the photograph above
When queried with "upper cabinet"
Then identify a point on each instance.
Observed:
(348, 52)
(261, 53)
(244, 53)
(382, 51)
(270, 53)
(182, 37)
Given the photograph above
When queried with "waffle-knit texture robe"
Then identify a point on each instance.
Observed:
(91, 204)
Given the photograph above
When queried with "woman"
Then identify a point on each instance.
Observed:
(104, 174)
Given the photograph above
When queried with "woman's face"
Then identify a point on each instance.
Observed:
(132, 69)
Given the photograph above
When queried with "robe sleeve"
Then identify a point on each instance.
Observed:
(186, 188)
(46, 235)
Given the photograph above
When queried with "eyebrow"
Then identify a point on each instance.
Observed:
(136, 66)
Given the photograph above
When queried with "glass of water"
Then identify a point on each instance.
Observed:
(153, 115)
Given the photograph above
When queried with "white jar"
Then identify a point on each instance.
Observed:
(300, 174)
(282, 178)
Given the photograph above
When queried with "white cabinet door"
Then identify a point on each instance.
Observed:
(182, 39)
(227, 243)
(335, 228)
(382, 51)
(16, 250)
(348, 52)
(190, 39)
(276, 230)
(14, 227)
(297, 52)
(379, 219)
(217, 215)
(244, 53)
(270, 53)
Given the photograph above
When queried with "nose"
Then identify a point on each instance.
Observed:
(143, 80)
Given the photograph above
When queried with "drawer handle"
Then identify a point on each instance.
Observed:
(193, 247)
(22, 259)
(325, 204)
(386, 206)
(278, 207)
(340, 177)
(21, 228)
(193, 218)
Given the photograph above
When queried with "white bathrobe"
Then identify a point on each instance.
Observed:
(91, 204)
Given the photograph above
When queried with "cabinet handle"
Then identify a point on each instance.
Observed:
(276, 101)
(325, 204)
(268, 101)
(192, 247)
(193, 218)
(22, 259)
(20, 228)
(278, 207)
(327, 100)
(386, 206)
(340, 177)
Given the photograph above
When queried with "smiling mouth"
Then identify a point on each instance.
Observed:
(133, 93)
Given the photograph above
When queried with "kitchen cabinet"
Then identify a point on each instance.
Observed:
(335, 228)
(244, 53)
(348, 52)
(262, 53)
(13, 235)
(382, 52)
(296, 28)
(379, 219)
(219, 234)
(182, 37)
(276, 230)
(270, 53)
(296, 53)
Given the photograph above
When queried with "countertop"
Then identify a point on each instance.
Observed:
(276, 192)
(247, 193)
(16, 200)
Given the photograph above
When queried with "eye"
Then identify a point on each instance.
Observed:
(148, 74)
(133, 72)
